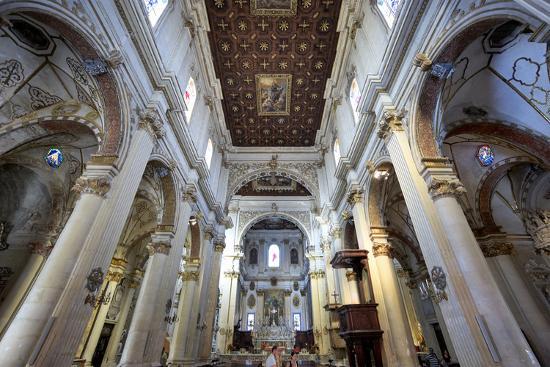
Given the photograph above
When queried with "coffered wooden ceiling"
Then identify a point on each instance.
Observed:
(273, 58)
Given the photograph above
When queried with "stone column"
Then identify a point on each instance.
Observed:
(133, 282)
(397, 316)
(138, 335)
(34, 314)
(450, 251)
(288, 308)
(190, 278)
(498, 254)
(229, 288)
(16, 295)
(64, 324)
(330, 272)
(113, 278)
(507, 336)
(210, 312)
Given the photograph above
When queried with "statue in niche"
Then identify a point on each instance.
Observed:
(294, 256)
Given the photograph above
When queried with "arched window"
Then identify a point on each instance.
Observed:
(355, 97)
(253, 257)
(189, 97)
(294, 256)
(208, 153)
(388, 8)
(155, 8)
(336, 151)
(273, 256)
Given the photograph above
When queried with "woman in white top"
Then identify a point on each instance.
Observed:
(272, 359)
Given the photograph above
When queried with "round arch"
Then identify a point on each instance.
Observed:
(169, 185)
(267, 172)
(262, 216)
(425, 103)
(83, 37)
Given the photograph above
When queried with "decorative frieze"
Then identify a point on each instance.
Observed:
(440, 188)
(96, 185)
(382, 249)
(150, 122)
(492, 248)
(391, 121)
(159, 248)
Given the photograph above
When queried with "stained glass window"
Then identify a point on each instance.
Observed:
(250, 321)
(273, 259)
(189, 97)
(485, 155)
(154, 9)
(355, 97)
(209, 152)
(336, 151)
(388, 8)
(296, 321)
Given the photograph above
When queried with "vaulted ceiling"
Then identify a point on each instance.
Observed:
(273, 58)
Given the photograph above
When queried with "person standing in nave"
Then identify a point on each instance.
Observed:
(431, 359)
(273, 357)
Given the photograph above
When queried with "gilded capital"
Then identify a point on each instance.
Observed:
(382, 249)
(440, 188)
(219, 246)
(114, 276)
(422, 61)
(335, 232)
(325, 244)
(40, 248)
(149, 120)
(159, 248)
(391, 122)
(208, 232)
(355, 197)
(231, 274)
(96, 185)
(492, 249)
(188, 276)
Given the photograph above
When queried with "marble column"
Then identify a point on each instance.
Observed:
(397, 316)
(212, 303)
(138, 335)
(180, 337)
(450, 251)
(506, 334)
(498, 253)
(229, 288)
(95, 247)
(34, 316)
(133, 281)
(330, 272)
(116, 271)
(17, 292)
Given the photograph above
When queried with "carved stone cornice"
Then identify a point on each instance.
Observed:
(95, 185)
(159, 248)
(391, 121)
(149, 120)
(40, 248)
(355, 197)
(188, 276)
(492, 249)
(382, 249)
(440, 188)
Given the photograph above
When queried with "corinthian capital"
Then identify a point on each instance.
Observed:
(445, 187)
(187, 276)
(95, 185)
(149, 120)
(219, 245)
(190, 195)
(355, 197)
(537, 223)
(159, 248)
(492, 249)
(391, 121)
(382, 249)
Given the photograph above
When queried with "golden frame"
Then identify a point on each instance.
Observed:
(273, 12)
(284, 78)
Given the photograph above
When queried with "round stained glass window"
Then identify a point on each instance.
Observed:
(54, 158)
(485, 155)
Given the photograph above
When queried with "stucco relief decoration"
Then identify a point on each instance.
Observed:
(296, 301)
(251, 301)
(11, 73)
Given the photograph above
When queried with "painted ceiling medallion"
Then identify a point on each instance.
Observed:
(485, 155)
(273, 58)
(54, 158)
(274, 7)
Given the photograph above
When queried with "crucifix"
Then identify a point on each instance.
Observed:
(335, 295)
